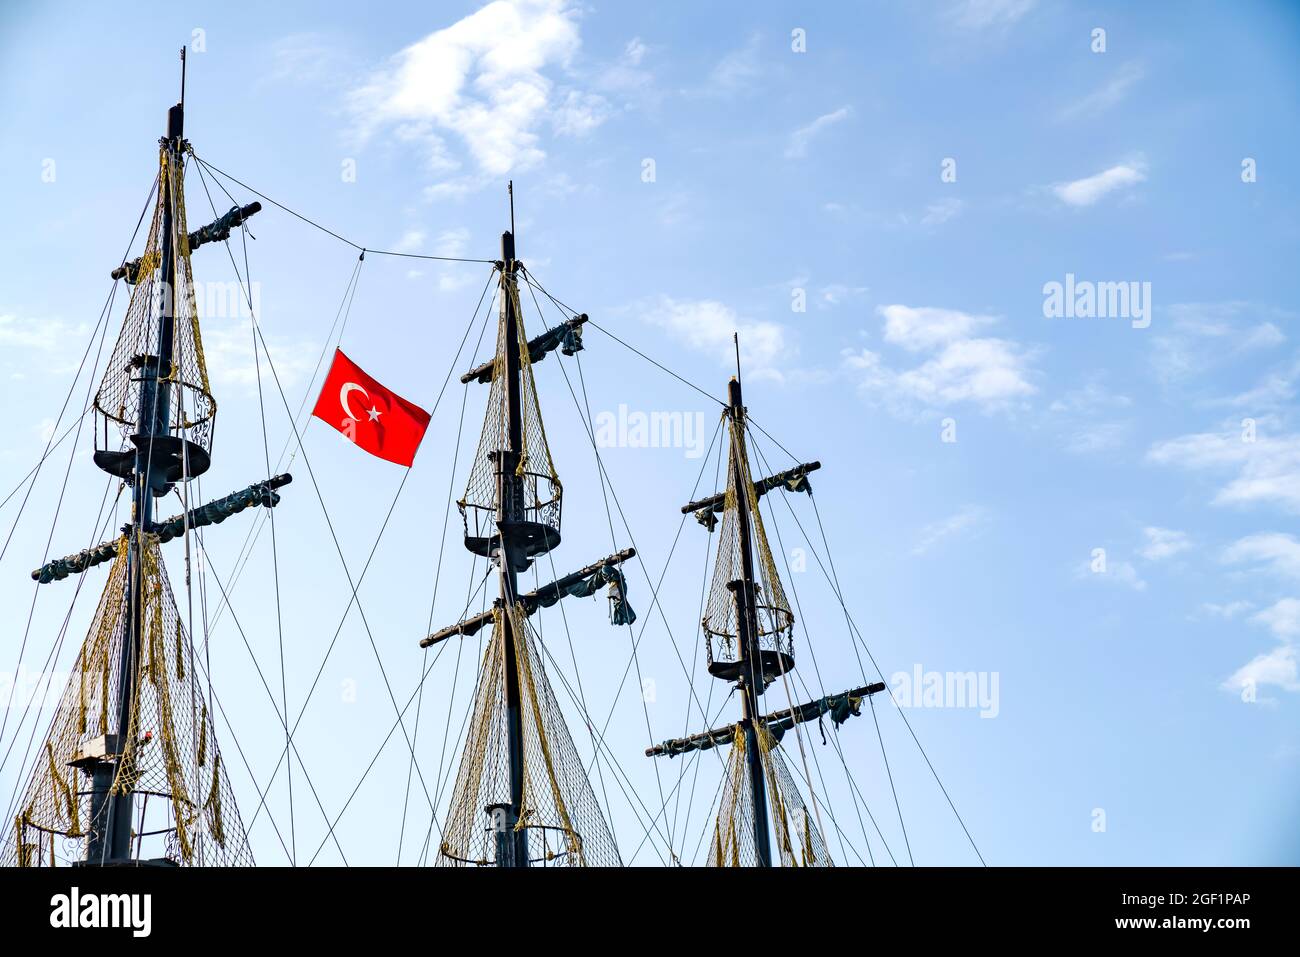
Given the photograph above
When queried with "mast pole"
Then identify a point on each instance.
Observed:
(112, 843)
(751, 675)
(512, 841)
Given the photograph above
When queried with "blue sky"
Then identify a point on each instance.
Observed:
(1158, 695)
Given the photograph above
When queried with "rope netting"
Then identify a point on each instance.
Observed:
(798, 839)
(541, 485)
(559, 813)
(183, 806)
(118, 400)
(775, 619)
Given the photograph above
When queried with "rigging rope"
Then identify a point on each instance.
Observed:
(437, 575)
(35, 472)
(353, 583)
(857, 632)
(848, 775)
(365, 249)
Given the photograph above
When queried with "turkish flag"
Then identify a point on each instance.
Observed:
(375, 418)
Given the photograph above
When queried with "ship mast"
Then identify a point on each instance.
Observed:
(113, 843)
(749, 640)
(747, 626)
(131, 719)
(512, 841)
(519, 765)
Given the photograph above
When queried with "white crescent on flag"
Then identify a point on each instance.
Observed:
(343, 397)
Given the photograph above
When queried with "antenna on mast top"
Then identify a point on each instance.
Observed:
(735, 338)
(510, 188)
(182, 77)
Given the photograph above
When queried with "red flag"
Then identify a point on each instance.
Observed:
(375, 418)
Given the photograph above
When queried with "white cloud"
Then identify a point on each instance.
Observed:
(982, 14)
(1090, 399)
(1110, 94)
(1201, 336)
(1091, 439)
(1163, 543)
(940, 212)
(736, 71)
(229, 351)
(1079, 411)
(707, 326)
(409, 242)
(991, 373)
(579, 113)
(1267, 469)
(964, 519)
(482, 79)
(307, 58)
(627, 78)
(833, 294)
(1283, 619)
(634, 51)
(1090, 189)
(449, 242)
(800, 138)
(1277, 667)
(45, 335)
(1226, 610)
(923, 328)
(1116, 573)
(1277, 549)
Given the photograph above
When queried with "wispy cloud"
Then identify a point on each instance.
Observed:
(1277, 667)
(1227, 610)
(308, 58)
(1115, 573)
(802, 137)
(1200, 336)
(1267, 469)
(707, 325)
(1097, 438)
(1081, 414)
(1108, 95)
(1278, 550)
(45, 335)
(961, 366)
(964, 520)
(736, 72)
(229, 351)
(984, 14)
(1162, 543)
(941, 211)
(1090, 189)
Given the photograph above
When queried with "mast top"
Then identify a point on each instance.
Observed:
(176, 115)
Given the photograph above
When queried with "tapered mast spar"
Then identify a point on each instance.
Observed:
(510, 498)
(749, 630)
(130, 720)
(750, 685)
(113, 843)
(519, 765)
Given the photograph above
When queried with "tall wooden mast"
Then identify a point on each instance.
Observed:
(743, 589)
(749, 640)
(512, 841)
